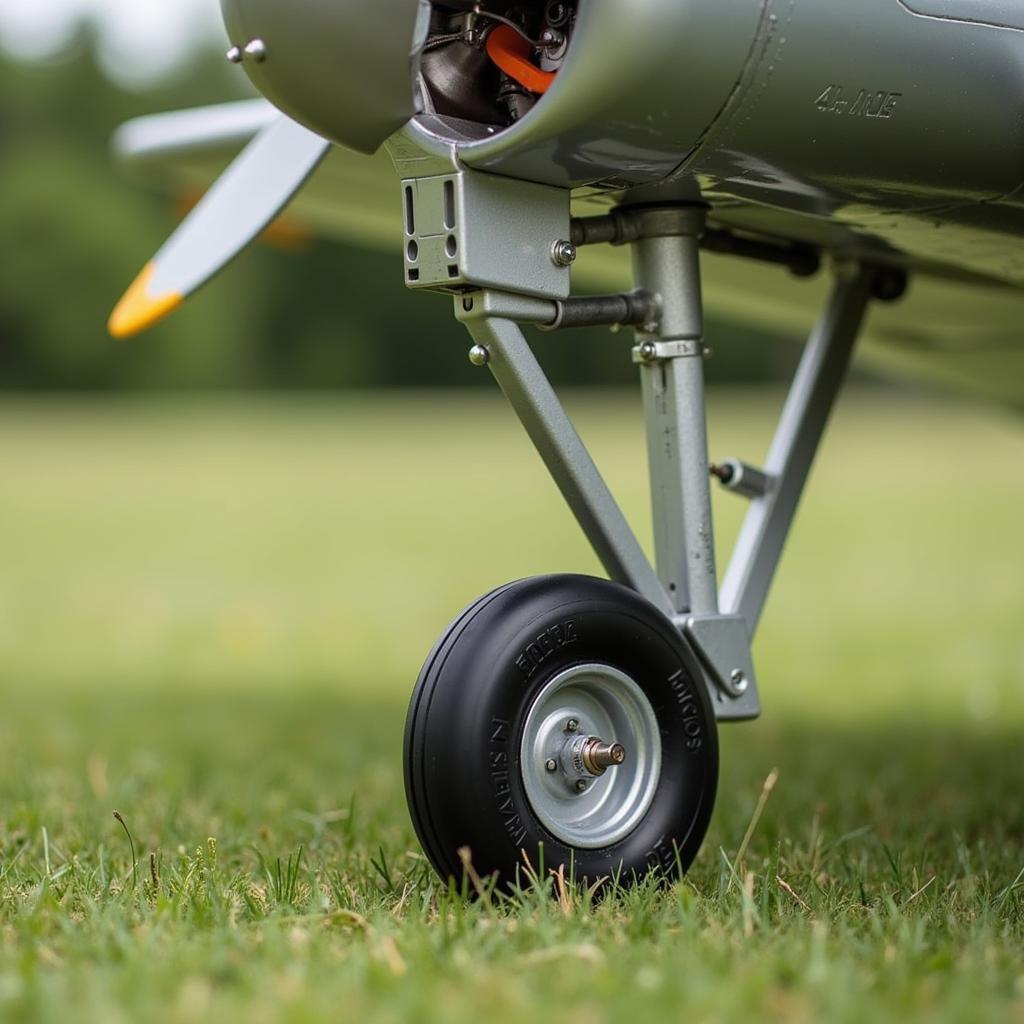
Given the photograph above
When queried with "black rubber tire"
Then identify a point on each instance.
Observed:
(467, 714)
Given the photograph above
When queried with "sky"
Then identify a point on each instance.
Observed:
(141, 39)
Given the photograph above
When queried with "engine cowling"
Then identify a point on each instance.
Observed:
(566, 92)
(343, 68)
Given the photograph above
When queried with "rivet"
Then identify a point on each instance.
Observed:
(479, 356)
(235, 55)
(256, 50)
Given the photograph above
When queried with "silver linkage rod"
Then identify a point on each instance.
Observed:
(801, 426)
(530, 394)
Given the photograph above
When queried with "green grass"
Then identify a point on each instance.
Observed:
(211, 615)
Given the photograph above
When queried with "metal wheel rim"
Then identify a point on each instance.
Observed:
(605, 703)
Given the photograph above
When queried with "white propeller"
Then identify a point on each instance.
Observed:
(241, 204)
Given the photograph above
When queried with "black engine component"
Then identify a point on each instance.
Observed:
(460, 78)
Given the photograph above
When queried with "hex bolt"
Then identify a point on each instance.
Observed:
(581, 786)
(551, 764)
(235, 55)
(563, 253)
(572, 725)
(479, 356)
(256, 50)
(648, 351)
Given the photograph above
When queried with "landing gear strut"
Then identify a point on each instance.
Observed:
(573, 719)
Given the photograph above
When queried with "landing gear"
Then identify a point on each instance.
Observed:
(563, 718)
(574, 714)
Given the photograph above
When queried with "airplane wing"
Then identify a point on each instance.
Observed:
(958, 334)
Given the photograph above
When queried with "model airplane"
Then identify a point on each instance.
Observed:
(875, 145)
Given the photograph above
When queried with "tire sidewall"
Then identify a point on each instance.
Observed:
(474, 697)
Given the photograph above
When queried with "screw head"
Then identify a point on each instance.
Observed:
(563, 253)
(551, 764)
(572, 725)
(739, 680)
(581, 786)
(551, 39)
(479, 356)
(256, 50)
(235, 55)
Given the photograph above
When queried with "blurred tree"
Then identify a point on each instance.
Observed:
(74, 232)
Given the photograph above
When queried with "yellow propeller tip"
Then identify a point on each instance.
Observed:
(138, 309)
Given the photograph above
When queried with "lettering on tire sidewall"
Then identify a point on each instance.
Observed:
(499, 769)
(688, 704)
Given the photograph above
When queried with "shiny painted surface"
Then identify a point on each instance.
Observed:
(342, 69)
(889, 129)
(867, 128)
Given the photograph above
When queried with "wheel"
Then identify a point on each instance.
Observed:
(564, 718)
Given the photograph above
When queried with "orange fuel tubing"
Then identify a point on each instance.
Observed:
(511, 52)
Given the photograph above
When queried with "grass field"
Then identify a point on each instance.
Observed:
(211, 616)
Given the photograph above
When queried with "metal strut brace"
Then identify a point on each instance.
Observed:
(804, 418)
(490, 319)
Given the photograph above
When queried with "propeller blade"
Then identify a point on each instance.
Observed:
(242, 203)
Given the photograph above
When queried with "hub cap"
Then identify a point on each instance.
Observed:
(584, 800)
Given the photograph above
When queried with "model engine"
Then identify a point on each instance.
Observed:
(489, 63)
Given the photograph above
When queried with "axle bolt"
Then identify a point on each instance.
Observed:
(551, 764)
(563, 253)
(572, 725)
(598, 756)
(479, 356)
